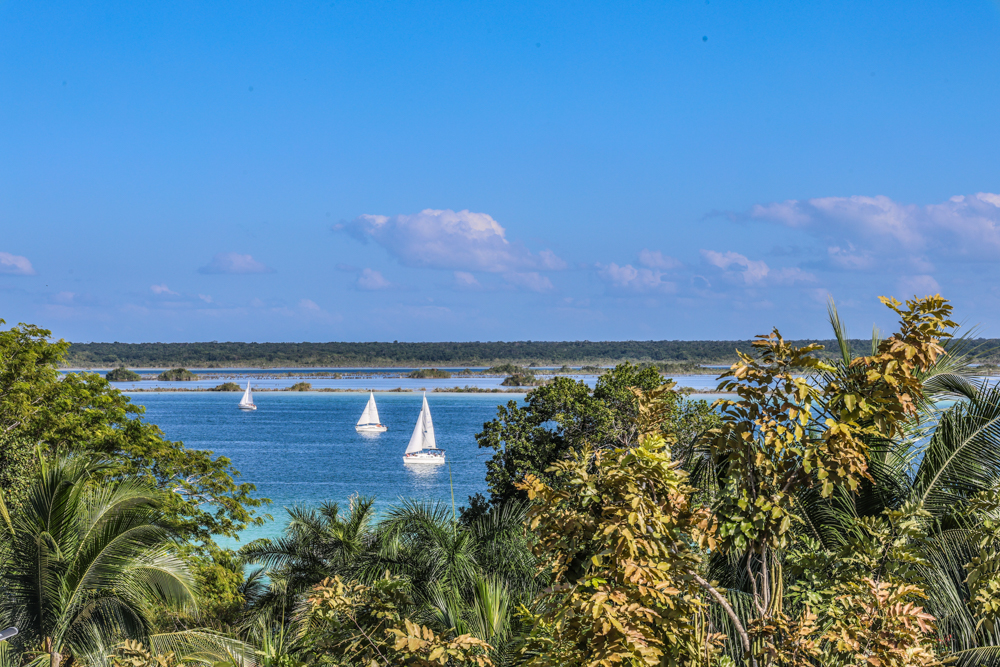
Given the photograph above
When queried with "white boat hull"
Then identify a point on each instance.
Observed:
(247, 407)
(426, 457)
(371, 428)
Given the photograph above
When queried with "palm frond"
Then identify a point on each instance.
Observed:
(962, 457)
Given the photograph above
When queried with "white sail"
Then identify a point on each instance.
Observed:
(423, 432)
(247, 396)
(429, 442)
(370, 415)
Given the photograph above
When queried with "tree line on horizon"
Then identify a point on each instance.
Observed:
(345, 354)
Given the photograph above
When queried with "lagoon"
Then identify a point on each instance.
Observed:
(301, 447)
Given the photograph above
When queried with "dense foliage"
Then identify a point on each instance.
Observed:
(81, 413)
(176, 374)
(835, 510)
(122, 374)
(427, 373)
(345, 355)
(566, 415)
(526, 379)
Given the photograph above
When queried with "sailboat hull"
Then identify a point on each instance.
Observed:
(425, 457)
(371, 428)
(248, 408)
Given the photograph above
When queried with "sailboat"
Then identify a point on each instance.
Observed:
(369, 422)
(422, 448)
(246, 403)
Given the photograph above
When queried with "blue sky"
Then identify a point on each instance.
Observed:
(493, 171)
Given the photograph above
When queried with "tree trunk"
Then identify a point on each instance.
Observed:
(55, 658)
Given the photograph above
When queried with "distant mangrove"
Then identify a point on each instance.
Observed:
(227, 386)
(175, 375)
(122, 374)
(428, 373)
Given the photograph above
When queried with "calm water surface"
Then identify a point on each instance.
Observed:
(301, 447)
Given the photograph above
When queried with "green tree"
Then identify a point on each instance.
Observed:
(566, 415)
(18, 461)
(82, 562)
(618, 533)
(122, 374)
(176, 374)
(819, 541)
(82, 412)
(317, 543)
(227, 386)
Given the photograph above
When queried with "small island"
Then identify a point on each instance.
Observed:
(227, 386)
(429, 373)
(176, 374)
(122, 374)
(523, 379)
(505, 369)
(301, 386)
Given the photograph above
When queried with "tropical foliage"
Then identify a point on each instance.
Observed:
(838, 508)
(82, 563)
(79, 413)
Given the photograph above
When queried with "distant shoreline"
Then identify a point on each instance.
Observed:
(397, 390)
(670, 356)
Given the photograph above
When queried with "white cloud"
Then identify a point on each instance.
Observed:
(370, 279)
(308, 304)
(963, 227)
(657, 260)
(532, 281)
(162, 289)
(15, 265)
(464, 280)
(754, 272)
(632, 279)
(233, 262)
(446, 239)
(205, 297)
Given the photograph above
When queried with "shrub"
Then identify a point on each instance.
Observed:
(122, 374)
(227, 386)
(425, 373)
(176, 374)
(520, 380)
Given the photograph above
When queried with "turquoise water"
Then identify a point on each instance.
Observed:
(301, 447)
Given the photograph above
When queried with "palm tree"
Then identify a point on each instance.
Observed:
(82, 563)
(461, 578)
(317, 543)
(941, 462)
(464, 579)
